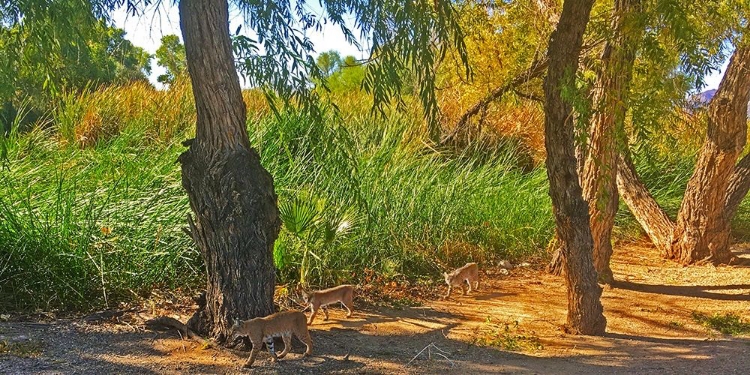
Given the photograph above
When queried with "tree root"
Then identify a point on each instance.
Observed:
(163, 323)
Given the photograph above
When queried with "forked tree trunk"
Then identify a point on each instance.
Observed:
(585, 314)
(597, 160)
(718, 185)
(702, 230)
(232, 196)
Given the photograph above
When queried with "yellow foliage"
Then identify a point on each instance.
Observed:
(502, 40)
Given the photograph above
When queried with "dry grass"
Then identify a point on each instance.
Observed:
(95, 116)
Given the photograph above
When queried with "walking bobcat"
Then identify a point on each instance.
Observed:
(468, 273)
(322, 298)
(263, 330)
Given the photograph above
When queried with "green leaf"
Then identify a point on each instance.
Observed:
(298, 215)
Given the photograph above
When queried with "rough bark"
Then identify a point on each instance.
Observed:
(739, 184)
(653, 219)
(717, 187)
(599, 175)
(585, 314)
(702, 229)
(597, 158)
(556, 265)
(231, 195)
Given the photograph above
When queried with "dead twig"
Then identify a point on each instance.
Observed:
(439, 352)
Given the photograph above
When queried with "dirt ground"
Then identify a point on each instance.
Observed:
(511, 325)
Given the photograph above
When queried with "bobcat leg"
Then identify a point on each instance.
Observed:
(325, 313)
(469, 282)
(312, 314)
(463, 289)
(476, 286)
(449, 291)
(305, 338)
(253, 354)
(287, 337)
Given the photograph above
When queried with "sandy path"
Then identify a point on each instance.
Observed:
(649, 312)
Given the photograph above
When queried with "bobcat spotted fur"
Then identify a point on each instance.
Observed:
(263, 330)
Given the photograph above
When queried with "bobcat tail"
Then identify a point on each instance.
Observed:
(269, 345)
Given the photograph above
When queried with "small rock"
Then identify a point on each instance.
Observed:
(504, 272)
(525, 264)
(505, 264)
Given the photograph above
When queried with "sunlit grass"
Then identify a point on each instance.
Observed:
(728, 324)
(92, 208)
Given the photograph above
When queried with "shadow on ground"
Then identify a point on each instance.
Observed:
(650, 330)
(371, 342)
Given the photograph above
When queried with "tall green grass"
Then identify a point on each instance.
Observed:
(416, 211)
(81, 229)
(92, 209)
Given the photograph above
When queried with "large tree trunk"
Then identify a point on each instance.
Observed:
(597, 159)
(702, 229)
(599, 175)
(585, 314)
(232, 196)
(717, 187)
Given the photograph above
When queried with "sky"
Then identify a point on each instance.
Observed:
(146, 32)
(712, 81)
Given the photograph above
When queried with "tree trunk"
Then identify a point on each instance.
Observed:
(702, 230)
(232, 196)
(599, 175)
(653, 219)
(597, 158)
(585, 314)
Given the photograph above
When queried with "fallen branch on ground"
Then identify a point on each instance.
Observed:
(101, 316)
(165, 323)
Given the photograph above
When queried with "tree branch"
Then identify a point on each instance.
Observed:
(652, 217)
(739, 184)
(537, 69)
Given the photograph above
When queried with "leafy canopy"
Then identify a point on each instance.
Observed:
(60, 43)
(406, 38)
(55, 46)
(171, 55)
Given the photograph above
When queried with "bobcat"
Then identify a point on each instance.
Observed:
(263, 330)
(322, 298)
(468, 273)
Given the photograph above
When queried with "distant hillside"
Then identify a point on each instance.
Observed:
(706, 96)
